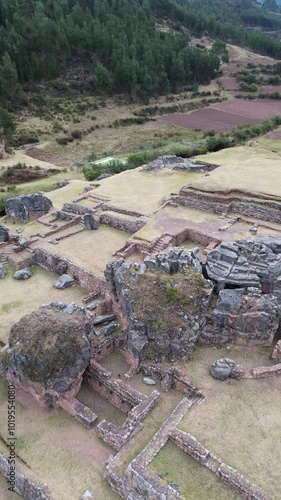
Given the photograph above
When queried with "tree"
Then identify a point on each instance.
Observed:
(7, 124)
(8, 79)
(103, 78)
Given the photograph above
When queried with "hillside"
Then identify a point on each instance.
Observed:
(117, 47)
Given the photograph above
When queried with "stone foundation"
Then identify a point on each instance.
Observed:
(255, 207)
(85, 278)
(79, 411)
(139, 478)
(131, 402)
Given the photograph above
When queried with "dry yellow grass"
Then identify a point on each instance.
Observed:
(92, 249)
(195, 481)
(67, 193)
(142, 191)
(251, 169)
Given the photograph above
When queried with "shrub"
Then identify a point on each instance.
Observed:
(76, 134)
(22, 137)
(217, 143)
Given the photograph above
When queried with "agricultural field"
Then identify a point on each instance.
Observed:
(226, 116)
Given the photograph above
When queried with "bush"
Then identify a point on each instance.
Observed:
(76, 134)
(217, 143)
(22, 137)
(2, 207)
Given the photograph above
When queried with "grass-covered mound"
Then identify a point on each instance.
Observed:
(46, 346)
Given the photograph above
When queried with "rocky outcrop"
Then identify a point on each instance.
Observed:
(177, 163)
(252, 263)
(245, 317)
(164, 301)
(49, 350)
(226, 368)
(4, 234)
(28, 207)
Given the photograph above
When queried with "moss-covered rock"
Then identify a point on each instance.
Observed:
(51, 347)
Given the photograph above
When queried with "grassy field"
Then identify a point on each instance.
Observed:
(23, 297)
(195, 481)
(58, 449)
(253, 168)
(142, 191)
(93, 250)
(238, 421)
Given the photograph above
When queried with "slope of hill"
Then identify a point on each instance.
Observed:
(119, 44)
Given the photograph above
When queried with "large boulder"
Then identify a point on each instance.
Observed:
(4, 234)
(226, 368)
(28, 207)
(163, 302)
(23, 274)
(3, 271)
(91, 222)
(64, 281)
(49, 351)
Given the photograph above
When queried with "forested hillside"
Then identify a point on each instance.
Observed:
(120, 43)
(117, 37)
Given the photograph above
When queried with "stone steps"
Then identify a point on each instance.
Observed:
(161, 243)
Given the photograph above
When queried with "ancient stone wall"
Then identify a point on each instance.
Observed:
(170, 379)
(85, 278)
(117, 436)
(27, 488)
(266, 371)
(79, 411)
(19, 263)
(277, 352)
(76, 208)
(194, 236)
(127, 225)
(102, 347)
(131, 402)
(258, 208)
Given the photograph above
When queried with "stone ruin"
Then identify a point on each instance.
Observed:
(28, 207)
(166, 306)
(172, 302)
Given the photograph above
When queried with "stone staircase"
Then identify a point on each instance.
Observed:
(161, 243)
(4, 258)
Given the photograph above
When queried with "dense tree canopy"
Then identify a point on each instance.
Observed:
(118, 37)
(120, 42)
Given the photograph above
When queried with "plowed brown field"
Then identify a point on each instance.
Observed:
(227, 115)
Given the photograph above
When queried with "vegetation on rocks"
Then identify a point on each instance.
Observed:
(46, 345)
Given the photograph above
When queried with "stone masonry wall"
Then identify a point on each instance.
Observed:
(259, 209)
(25, 487)
(127, 225)
(85, 278)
